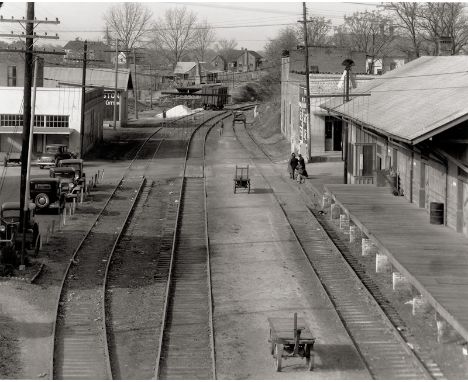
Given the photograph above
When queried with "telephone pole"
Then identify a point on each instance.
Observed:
(116, 83)
(28, 121)
(306, 52)
(83, 97)
(135, 85)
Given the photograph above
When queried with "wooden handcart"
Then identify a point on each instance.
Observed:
(241, 178)
(291, 339)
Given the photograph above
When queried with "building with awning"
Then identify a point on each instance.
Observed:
(101, 78)
(57, 118)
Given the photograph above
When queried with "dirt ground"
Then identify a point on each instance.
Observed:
(27, 311)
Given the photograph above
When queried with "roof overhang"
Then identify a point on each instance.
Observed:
(37, 130)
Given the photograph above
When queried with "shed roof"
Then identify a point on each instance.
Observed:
(414, 102)
(185, 66)
(95, 77)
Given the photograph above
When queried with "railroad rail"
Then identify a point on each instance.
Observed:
(186, 348)
(380, 345)
(85, 330)
(79, 336)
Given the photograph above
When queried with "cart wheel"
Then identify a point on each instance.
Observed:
(309, 357)
(278, 356)
(272, 350)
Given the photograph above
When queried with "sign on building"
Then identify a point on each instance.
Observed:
(109, 105)
(303, 114)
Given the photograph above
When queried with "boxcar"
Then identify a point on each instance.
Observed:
(214, 96)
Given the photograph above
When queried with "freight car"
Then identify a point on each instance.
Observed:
(213, 96)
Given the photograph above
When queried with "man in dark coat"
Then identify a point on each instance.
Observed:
(292, 165)
(302, 163)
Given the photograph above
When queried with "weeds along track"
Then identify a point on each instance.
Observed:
(382, 348)
(79, 337)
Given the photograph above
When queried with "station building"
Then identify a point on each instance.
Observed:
(413, 127)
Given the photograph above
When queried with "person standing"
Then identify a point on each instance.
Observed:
(221, 127)
(292, 165)
(302, 163)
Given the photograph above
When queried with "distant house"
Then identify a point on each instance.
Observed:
(248, 61)
(193, 73)
(237, 60)
(414, 125)
(96, 50)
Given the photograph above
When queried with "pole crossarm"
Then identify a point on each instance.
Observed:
(23, 20)
(22, 35)
(339, 95)
(35, 51)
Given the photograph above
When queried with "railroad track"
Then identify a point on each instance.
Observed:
(187, 339)
(382, 348)
(90, 337)
(80, 348)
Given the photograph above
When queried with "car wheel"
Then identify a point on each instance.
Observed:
(41, 167)
(41, 200)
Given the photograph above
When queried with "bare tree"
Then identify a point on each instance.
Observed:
(445, 19)
(369, 32)
(408, 21)
(286, 40)
(128, 22)
(175, 33)
(224, 46)
(318, 29)
(203, 38)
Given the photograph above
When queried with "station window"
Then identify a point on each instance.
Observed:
(57, 121)
(11, 119)
(11, 74)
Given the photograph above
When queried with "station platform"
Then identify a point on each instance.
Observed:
(433, 258)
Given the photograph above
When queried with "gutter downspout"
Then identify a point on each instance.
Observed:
(411, 176)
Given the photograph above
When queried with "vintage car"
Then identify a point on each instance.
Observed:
(78, 165)
(68, 177)
(12, 158)
(239, 117)
(53, 154)
(47, 193)
(10, 237)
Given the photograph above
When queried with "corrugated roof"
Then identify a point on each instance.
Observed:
(97, 77)
(413, 102)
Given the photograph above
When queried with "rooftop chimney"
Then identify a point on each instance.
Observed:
(444, 46)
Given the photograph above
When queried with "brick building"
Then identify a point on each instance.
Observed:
(325, 129)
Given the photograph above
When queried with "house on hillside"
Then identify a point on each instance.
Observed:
(248, 61)
(414, 125)
(325, 130)
(193, 73)
(238, 60)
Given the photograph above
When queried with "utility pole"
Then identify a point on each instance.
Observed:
(151, 88)
(83, 97)
(116, 79)
(28, 122)
(135, 85)
(306, 52)
(348, 64)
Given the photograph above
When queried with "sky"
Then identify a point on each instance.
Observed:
(251, 24)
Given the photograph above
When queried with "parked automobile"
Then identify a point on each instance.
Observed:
(47, 193)
(68, 177)
(10, 237)
(239, 117)
(53, 154)
(78, 165)
(12, 158)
